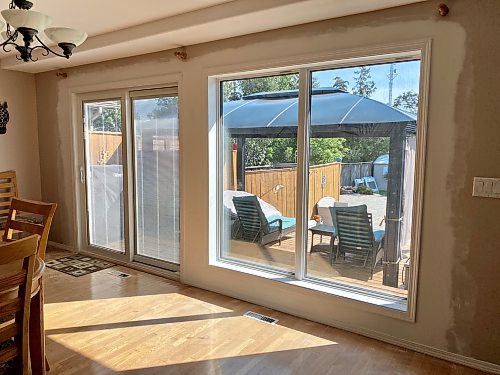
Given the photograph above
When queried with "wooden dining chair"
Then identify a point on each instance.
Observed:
(30, 217)
(15, 295)
(8, 190)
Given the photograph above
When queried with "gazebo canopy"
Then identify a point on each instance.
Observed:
(275, 114)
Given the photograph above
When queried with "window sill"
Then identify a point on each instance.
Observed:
(380, 303)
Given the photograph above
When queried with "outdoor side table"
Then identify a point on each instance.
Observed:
(323, 230)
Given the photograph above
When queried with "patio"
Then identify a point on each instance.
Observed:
(318, 263)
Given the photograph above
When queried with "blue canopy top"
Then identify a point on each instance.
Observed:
(332, 110)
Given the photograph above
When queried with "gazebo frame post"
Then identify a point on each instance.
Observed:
(240, 167)
(394, 211)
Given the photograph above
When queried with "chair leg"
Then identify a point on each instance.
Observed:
(37, 333)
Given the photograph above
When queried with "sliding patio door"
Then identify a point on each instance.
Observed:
(104, 183)
(130, 174)
(155, 126)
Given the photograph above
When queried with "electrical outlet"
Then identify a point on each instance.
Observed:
(486, 187)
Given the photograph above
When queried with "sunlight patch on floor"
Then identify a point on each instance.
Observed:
(126, 309)
(183, 342)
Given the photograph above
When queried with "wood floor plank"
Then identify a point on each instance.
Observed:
(144, 324)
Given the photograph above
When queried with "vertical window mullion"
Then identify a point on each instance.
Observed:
(128, 176)
(302, 173)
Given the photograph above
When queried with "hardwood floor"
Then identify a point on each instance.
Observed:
(102, 324)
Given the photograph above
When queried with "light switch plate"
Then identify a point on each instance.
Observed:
(486, 187)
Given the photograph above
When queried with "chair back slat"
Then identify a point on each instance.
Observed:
(17, 221)
(21, 254)
(355, 231)
(6, 332)
(10, 306)
(13, 280)
(24, 226)
(8, 354)
(8, 190)
(251, 217)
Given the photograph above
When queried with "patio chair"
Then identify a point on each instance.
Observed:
(356, 235)
(323, 208)
(253, 224)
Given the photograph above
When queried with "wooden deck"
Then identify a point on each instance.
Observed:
(318, 263)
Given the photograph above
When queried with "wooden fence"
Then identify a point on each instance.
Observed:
(278, 186)
(350, 171)
(105, 147)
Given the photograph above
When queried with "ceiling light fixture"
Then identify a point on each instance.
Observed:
(24, 27)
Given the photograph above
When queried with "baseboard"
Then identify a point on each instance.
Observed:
(61, 246)
(434, 352)
(425, 349)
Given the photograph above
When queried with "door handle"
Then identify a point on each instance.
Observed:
(82, 175)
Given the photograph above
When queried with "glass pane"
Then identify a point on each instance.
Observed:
(361, 175)
(104, 174)
(260, 171)
(156, 128)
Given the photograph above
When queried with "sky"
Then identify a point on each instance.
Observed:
(406, 79)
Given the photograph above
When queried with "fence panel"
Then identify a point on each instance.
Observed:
(265, 183)
(350, 171)
(106, 148)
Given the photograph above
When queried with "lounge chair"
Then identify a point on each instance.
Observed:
(255, 226)
(356, 235)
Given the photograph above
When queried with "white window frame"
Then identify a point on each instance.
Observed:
(375, 302)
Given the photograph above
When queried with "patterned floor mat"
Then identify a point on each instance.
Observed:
(78, 265)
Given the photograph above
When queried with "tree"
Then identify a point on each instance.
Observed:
(407, 101)
(326, 150)
(230, 91)
(166, 106)
(363, 149)
(340, 84)
(109, 119)
(364, 85)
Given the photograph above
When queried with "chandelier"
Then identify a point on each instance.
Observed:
(23, 32)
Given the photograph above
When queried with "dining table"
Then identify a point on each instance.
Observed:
(36, 325)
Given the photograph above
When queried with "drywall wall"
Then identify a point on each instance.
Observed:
(457, 306)
(19, 146)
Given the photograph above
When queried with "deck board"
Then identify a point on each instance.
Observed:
(318, 263)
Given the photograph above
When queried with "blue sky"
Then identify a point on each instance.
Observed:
(407, 78)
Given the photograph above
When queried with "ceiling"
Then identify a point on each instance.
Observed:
(122, 28)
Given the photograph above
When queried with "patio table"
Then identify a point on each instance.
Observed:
(323, 230)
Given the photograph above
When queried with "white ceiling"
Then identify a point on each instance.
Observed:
(122, 28)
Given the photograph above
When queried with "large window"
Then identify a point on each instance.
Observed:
(259, 182)
(317, 175)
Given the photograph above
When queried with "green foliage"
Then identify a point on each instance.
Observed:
(166, 106)
(366, 190)
(109, 120)
(365, 149)
(364, 86)
(267, 151)
(326, 150)
(341, 84)
(407, 101)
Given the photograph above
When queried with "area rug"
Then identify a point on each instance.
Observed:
(78, 265)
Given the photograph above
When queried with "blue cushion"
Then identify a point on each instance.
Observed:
(378, 234)
(288, 222)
